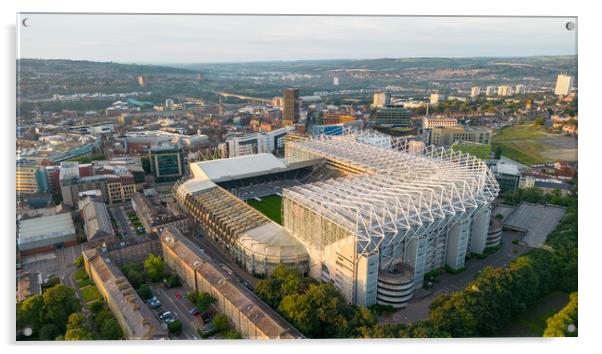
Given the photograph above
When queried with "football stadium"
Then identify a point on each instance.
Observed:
(366, 211)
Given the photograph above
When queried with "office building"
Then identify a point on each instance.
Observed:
(257, 143)
(490, 91)
(429, 122)
(381, 99)
(335, 81)
(116, 183)
(393, 116)
(31, 178)
(291, 106)
(448, 136)
(475, 91)
(166, 162)
(141, 81)
(564, 83)
(133, 316)
(520, 90)
(507, 176)
(505, 90)
(436, 98)
(334, 118)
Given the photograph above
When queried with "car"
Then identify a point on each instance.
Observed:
(169, 320)
(194, 311)
(208, 329)
(165, 315)
(153, 299)
(154, 304)
(206, 317)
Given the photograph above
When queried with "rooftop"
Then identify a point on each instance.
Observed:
(397, 187)
(96, 218)
(37, 229)
(250, 306)
(140, 321)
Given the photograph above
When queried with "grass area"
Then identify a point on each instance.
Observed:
(80, 274)
(269, 206)
(520, 143)
(84, 282)
(532, 322)
(89, 293)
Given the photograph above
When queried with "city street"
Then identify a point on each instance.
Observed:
(418, 309)
(179, 308)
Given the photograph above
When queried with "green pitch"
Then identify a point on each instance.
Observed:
(269, 206)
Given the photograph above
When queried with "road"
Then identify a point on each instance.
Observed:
(418, 309)
(218, 255)
(180, 308)
(122, 222)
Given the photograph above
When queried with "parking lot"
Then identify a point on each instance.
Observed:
(122, 222)
(179, 306)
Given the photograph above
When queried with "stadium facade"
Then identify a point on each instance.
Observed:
(393, 211)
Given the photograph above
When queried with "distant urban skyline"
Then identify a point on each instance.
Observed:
(183, 39)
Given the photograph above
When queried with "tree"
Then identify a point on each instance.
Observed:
(96, 306)
(76, 328)
(30, 313)
(145, 291)
(175, 327)
(133, 273)
(202, 300)
(172, 280)
(220, 322)
(564, 323)
(78, 334)
(232, 334)
(154, 267)
(76, 320)
(101, 317)
(79, 261)
(59, 303)
(110, 330)
(498, 152)
(49, 332)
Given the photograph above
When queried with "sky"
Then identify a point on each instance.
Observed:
(212, 38)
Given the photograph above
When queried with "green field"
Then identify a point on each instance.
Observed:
(532, 322)
(89, 293)
(269, 206)
(521, 143)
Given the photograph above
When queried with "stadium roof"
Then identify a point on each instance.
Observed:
(238, 167)
(400, 190)
(270, 240)
(208, 173)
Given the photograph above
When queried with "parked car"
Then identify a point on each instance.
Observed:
(194, 311)
(210, 328)
(206, 316)
(165, 315)
(154, 303)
